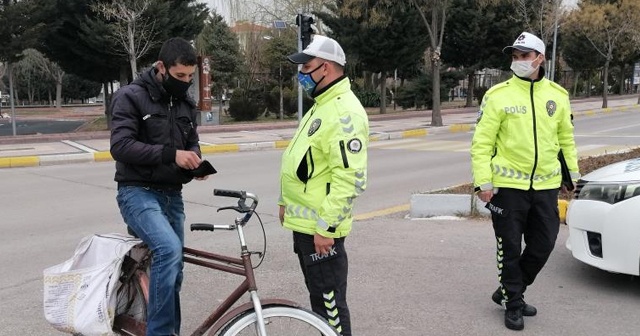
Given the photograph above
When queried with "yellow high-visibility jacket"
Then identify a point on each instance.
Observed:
(522, 125)
(324, 167)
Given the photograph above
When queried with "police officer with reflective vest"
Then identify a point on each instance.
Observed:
(324, 169)
(523, 124)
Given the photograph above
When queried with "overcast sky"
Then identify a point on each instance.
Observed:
(222, 7)
(571, 3)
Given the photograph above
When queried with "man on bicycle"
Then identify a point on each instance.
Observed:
(324, 169)
(155, 145)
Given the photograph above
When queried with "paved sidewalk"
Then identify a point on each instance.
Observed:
(51, 149)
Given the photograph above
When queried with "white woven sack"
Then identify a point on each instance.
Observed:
(78, 292)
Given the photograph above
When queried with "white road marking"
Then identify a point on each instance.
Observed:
(79, 146)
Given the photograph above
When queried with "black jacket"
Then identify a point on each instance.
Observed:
(147, 128)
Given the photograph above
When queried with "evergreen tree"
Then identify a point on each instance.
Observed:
(475, 36)
(19, 29)
(582, 57)
(32, 84)
(76, 87)
(79, 40)
(274, 59)
(221, 44)
(383, 36)
(626, 54)
(78, 37)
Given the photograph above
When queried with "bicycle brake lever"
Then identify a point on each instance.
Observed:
(238, 209)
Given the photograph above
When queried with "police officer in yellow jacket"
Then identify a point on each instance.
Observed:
(523, 124)
(324, 169)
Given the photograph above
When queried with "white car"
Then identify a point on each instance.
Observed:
(604, 218)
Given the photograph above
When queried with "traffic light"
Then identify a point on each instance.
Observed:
(305, 22)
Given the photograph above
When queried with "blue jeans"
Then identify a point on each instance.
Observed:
(157, 217)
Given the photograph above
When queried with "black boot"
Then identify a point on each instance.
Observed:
(527, 309)
(513, 319)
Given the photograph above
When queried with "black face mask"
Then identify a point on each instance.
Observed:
(175, 87)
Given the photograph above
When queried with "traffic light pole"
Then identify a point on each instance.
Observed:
(552, 73)
(299, 65)
(305, 31)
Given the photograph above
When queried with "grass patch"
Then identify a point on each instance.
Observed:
(226, 120)
(443, 106)
(97, 124)
(586, 165)
(41, 111)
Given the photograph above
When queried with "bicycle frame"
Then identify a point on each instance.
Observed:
(221, 315)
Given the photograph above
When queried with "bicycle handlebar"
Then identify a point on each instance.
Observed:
(229, 193)
(242, 196)
(210, 227)
(248, 211)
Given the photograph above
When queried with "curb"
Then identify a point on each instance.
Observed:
(102, 156)
(430, 205)
(563, 206)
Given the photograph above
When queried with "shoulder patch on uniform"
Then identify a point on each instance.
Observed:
(315, 125)
(559, 87)
(354, 145)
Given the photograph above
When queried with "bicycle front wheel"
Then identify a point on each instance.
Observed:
(280, 320)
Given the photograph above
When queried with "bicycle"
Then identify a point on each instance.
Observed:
(268, 317)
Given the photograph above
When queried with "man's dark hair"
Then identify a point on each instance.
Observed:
(177, 50)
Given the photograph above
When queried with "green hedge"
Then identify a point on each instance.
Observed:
(244, 106)
(368, 98)
(418, 93)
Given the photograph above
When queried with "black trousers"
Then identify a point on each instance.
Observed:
(517, 213)
(326, 280)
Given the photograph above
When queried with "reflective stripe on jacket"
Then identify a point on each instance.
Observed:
(521, 127)
(324, 168)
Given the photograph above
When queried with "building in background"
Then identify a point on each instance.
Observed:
(239, 10)
(248, 32)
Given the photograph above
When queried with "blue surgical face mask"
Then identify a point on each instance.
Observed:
(307, 82)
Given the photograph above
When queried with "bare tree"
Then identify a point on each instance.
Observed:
(537, 16)
(51, 69)
(28, 75)
(254, 74)
(604, 26)
(540, 19)
(131, 28)
(434, 16)
(287, 9)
